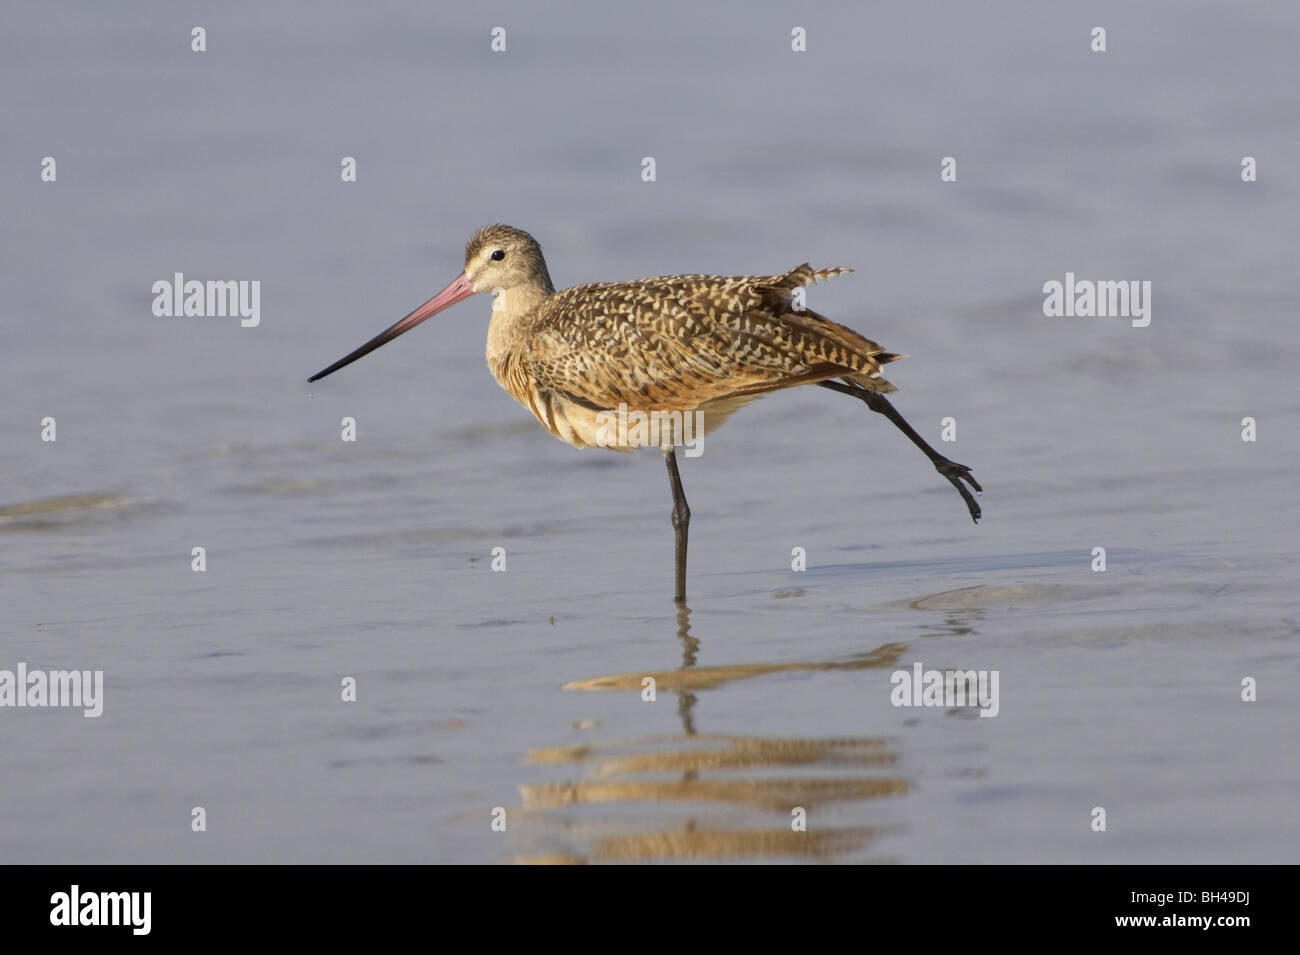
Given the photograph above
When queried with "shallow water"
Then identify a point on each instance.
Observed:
(522, 690)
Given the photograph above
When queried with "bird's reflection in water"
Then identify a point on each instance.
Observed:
(956, 624)
(690, 648)
(700, 796)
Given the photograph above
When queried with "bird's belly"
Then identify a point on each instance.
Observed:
(623, 428)
(619, 428)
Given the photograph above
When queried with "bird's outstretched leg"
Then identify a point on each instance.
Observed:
(954, 472)
(681, 522)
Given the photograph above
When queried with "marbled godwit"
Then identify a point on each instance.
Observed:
(678, 343)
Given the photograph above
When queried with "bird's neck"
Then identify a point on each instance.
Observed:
(512, 304)
(510, 309)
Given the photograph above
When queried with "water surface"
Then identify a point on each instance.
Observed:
(522, 690)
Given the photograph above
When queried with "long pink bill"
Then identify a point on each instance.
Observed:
(453, 293)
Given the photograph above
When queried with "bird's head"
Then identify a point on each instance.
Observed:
(502, 257)
(499, 259)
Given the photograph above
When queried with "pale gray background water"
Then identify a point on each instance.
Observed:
(371, 559)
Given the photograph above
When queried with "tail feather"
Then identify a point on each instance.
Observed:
(828, 349)
(798, 277)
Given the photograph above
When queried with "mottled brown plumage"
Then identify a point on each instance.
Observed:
(680, 343)
(691, 346)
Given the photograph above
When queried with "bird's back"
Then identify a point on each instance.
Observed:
(678, 343)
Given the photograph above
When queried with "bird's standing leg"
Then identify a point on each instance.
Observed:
(681, 521)
(954, 472)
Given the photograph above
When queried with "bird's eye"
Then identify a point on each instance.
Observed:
(498, 255)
